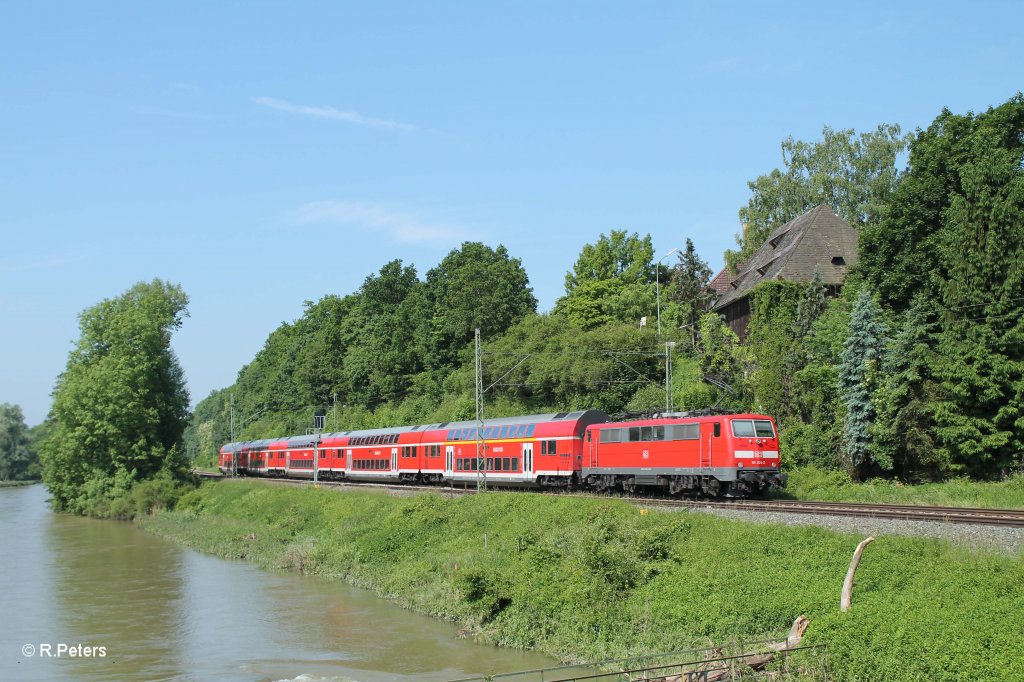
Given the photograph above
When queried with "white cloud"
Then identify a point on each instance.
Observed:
(47, 263)
(399, 226)
(346, 115)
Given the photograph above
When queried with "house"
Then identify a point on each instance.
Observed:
(818, 238)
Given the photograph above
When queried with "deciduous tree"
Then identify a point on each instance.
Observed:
(854, 174)
(611, 281)
(15, 453)
(121, 405)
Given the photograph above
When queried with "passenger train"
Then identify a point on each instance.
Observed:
(731, 455)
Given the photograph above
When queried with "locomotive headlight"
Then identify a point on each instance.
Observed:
(758, 441)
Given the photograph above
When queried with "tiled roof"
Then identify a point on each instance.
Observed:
(720, 283)
(817, 238)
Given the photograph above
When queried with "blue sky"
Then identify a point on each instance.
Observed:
(263, 154)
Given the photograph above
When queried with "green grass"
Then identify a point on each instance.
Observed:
(810, 483)
(589, 579)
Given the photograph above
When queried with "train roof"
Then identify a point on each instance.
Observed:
(589, 416)
(586, 417)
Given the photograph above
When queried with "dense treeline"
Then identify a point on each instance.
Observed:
(916, 370)
(19, 445)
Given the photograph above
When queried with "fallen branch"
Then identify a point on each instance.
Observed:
(844, 601)
(755, 660)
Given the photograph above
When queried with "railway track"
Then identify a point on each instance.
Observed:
(1007, 518)
(1011, 518)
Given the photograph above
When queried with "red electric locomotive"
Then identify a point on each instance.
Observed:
(733, 455)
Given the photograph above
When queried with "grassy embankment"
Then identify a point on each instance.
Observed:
(588, 579)
(15, 484)
(810, 483)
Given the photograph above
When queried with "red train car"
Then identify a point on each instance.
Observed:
(544, 450)
(733, 455)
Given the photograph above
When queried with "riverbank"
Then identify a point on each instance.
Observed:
(588, 579)
(16, 484)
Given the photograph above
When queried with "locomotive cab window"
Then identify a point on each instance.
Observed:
(752, 428)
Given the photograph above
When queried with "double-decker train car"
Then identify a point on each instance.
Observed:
(733, 455)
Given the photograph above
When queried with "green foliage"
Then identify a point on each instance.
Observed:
(908, 398)
(723, 359)
(817, 483)
(771, 338)
(853, 174)
(612, 281)
(120, 407)
(690, 290)
(476, 286)
(567, 368)
(593, 579)
(954, 234)
(858, 378)
(17, 459)
(385, 352)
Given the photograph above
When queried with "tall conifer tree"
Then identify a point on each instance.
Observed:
(858, 375)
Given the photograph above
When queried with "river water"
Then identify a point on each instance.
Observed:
(161, 611)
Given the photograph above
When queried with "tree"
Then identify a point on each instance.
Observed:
(15, 453)
(120, 407)
(954, 233)
(858, 377)
(982, 246)
(475, 286)
(611, 281)
(909, 397)
(854, 174)
(392, 325)
(690, 290)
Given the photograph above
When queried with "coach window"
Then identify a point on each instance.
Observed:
(552, 447)
(718, 429)
(646, 433)
(634, 433)
(611, 435)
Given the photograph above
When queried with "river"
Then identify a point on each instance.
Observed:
(146, 608)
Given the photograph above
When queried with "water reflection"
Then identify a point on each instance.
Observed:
(164, 612)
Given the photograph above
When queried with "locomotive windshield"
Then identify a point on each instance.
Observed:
(752, 428)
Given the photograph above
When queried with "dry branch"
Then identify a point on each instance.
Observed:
(844, 601)
(754, 660)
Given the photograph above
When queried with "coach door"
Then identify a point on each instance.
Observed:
(394, 460)
(449, 458)
(528, 460)
(348, 461)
